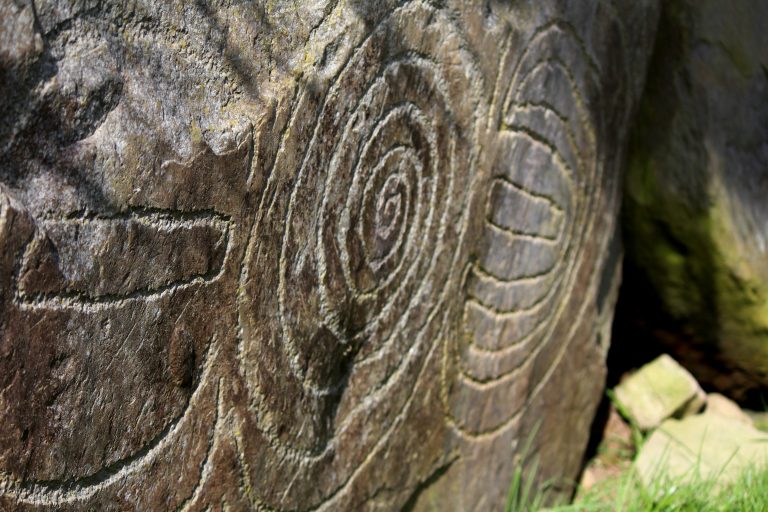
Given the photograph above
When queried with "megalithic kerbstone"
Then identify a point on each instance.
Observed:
(306, 255)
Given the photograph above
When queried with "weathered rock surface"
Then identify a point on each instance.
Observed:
(657, 391)
(727, 408)
(701, 448)
(305, 255)
(697, 182)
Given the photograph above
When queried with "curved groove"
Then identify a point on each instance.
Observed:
(581, 173)
(82, 300)
(213, 443)
(439, 218)
(56, 492)
(507, 297)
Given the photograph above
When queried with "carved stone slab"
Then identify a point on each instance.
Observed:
(305, 255)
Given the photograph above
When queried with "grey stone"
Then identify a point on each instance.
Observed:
(659, 390)
(704, 447)
(309, 255)
(724, 406)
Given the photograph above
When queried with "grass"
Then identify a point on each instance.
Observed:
(748, 493)
(624, 492)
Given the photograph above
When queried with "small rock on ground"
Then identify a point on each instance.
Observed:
(723, 406)
(701, 447)
(659, 390)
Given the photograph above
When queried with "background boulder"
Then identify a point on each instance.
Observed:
(696, 214)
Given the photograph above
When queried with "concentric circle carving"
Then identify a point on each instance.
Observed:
(355, 252)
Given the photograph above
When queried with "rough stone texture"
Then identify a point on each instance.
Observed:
(659, 390)
(702, 447)
(696, 208)
(724, 406)
(305, 255)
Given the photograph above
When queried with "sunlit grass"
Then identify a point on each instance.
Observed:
(694, 492)
(748, 493)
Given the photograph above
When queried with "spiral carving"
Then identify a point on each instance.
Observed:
(537, 216)
(359, 296)
(366, 209)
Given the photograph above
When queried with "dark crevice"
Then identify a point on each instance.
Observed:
(426, 484)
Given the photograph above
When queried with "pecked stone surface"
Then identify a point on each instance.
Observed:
(305, 255)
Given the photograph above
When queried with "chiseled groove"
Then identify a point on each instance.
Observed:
(398, 418)
(533, 195)
(57, 492)
(534, 238)
(489, 381)
(468, 379)
(581, 106)
(555, 212)
(530, 241)
(213, 443)
(514, 418)
(367, 197)
(577, 94)
(523, 235)
(384, 67)
(82, 301)
(521, 279)
(487, 275)
(151, 214)
(477, 384)
(529, 106)
(395, 109)
(494, 120)
(515, 345)
(543, 105)
(555, 63)
(535, 136)
(483, 301)
(565, 125)
(246, 487)
(293, 357)
(286, 451)
(522, 340)
(570, 31)
(480, 437)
